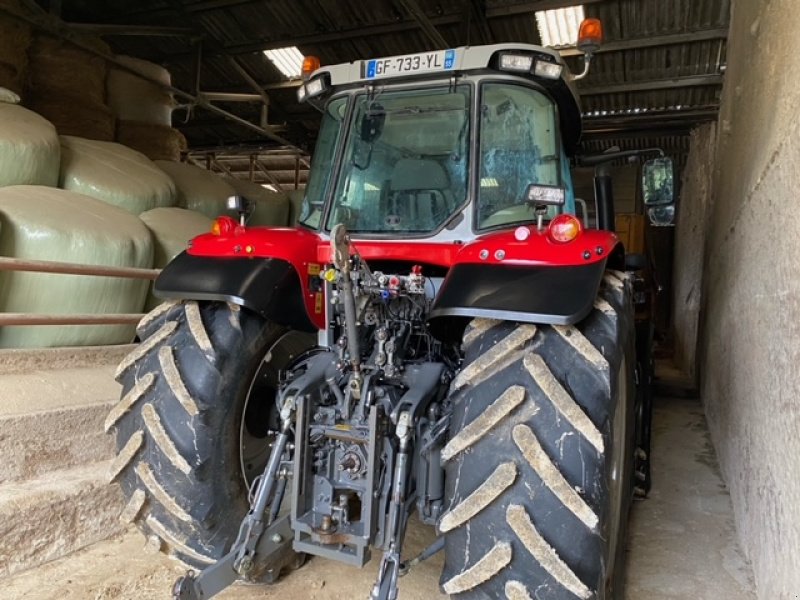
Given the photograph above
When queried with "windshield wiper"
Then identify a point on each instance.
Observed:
(411, 110)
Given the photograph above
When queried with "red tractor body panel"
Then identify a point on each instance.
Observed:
(308, 252)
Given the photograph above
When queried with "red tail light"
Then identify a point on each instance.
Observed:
(223, 226)
(564, 228)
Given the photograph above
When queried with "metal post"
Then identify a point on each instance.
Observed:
(604, 197)
(46, 266)
(198, 64)
(8, 319)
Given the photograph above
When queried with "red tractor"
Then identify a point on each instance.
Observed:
(439, 334)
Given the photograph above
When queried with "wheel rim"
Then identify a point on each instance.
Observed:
(617, 474)
(259, 423)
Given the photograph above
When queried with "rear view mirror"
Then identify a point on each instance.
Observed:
(657, 184)
(372, 123)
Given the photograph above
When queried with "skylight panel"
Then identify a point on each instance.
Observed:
(559, 27)
(289, 61)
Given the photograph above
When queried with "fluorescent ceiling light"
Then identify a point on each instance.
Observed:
(371, 187)
(559, 27)
(288, 60)
(489, 182)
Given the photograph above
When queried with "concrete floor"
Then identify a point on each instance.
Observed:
(681, 545)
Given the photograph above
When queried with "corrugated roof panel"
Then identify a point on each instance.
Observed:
(559, 26)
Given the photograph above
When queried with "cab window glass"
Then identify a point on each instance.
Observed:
(322, 163)
(518, 147)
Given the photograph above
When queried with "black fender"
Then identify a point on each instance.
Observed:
(551, 295)
(268, 286)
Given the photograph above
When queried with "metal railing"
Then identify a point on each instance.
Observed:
(65, 268)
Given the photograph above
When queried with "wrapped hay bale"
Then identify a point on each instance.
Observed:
(198, 189)
(171, 228)
(30, 152)
(115, 174)
(295, 205)
(270, 208)
(43, 223)
(156, 142)
(135, 99)
(15, 39)
(67, 85)
(8, 96)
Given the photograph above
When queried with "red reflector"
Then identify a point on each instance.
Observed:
(564, 228)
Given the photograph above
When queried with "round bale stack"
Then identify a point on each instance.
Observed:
(41, 223)
(29, 148)
(198, 189)
(295, 205)
(156, 142)
(15, 38)
(171, 228)
(269, 208)
(67, 85)
(144, 110)
(114, 174)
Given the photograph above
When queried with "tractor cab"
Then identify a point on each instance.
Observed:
(442, 145)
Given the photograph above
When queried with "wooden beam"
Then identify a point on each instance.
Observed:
(221, 167)
(268, 175)
(654, 41)
(533, 6)
(477, 11)
(428, 28)
(651, 85)
(132, 30)
(337, 35)
(312, 39)
(283, 85)
(194, 7)
(245, 74)
(665, 123)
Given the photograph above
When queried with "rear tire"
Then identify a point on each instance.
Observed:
(645, 368)
(540, 457)
(180, 423)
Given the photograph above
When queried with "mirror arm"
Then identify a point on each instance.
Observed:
(599, 159)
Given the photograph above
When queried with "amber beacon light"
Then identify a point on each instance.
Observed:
(310, 64)
(590, 36)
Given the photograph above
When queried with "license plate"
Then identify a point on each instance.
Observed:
(424, 62)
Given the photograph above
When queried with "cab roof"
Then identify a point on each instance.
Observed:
(462, 60)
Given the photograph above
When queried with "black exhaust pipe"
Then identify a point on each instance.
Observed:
(604, 197)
